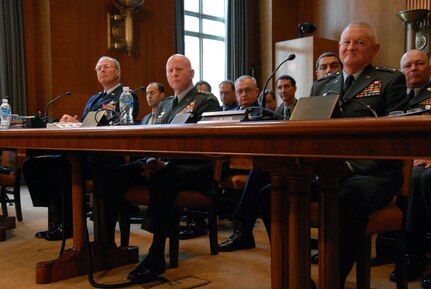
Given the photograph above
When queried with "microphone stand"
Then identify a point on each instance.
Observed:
(46, 117)
(263, 100)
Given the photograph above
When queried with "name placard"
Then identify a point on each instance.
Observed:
(224, 116)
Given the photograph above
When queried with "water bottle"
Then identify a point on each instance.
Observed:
(5, 111)
(126, 107)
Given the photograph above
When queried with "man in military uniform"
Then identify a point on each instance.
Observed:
(328, 62)
(363, 88)
(416, 68)
(165, 178)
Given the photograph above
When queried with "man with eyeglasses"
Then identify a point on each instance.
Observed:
(45, 185)
(367, 185)
(246, 93)
(108, 74)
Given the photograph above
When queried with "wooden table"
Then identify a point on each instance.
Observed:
(290, 150)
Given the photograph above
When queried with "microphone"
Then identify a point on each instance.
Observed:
(263, 100)
(342, 102)
(250, 109)
(52, 100)
(139, 88)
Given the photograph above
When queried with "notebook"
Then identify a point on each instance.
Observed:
(316, 107)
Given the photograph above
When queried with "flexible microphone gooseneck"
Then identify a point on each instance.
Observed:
(342, 102)
(263, 100)
(52, 100)
(139, 88)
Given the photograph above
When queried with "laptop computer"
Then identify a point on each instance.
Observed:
(181, 118)
(95, 118)
(316, 107)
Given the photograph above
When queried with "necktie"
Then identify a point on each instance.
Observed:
(348, 83)
(287, 113)
(99, 101)
(411, 94)
(174, 102)
(152, 118)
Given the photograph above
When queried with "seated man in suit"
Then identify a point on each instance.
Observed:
(165, 178)
(155, 93)
(416, 68)
(227, 95)
(47, 176)
(286, 88)
(258, 183)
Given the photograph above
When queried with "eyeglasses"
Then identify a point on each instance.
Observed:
(247, 90)
(356, 43)
(105, 66)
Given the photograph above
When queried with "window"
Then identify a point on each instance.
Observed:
(204, 39)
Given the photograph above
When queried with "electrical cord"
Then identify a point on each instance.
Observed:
(116, 118)
(266, 110)
(90, 260)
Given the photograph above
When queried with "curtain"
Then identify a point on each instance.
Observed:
(180, 26)
(12, 65)
(236, 36)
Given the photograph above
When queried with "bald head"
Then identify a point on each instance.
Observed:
(179, 73)
(415, 67)
(357, 46)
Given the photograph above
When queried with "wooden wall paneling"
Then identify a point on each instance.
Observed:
(78, 33)
(332, 16)
(265, 43)
(418, 4)
(37, 43)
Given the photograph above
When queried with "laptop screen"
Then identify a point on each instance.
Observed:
(316, 107)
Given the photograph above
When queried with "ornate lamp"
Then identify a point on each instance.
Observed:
(411, 18)
(120, 27)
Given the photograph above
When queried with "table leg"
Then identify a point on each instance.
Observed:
(290, 230)
(74, 261)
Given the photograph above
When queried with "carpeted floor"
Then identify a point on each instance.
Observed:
(245, 269)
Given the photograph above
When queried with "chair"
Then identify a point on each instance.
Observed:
(387, 219)
(230, 189)
(189, 200)
(10, 177)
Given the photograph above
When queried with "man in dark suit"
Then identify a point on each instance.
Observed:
(416, 68)
(155, 93)
(286, 89)
(164, 177)
(227, 95)
(368, 184)
(51, 187)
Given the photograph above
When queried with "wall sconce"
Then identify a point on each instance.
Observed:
(411, 19)
(120, 27)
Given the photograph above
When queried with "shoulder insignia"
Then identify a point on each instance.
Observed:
(204, 92)
(329, 76)
(384, 68)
